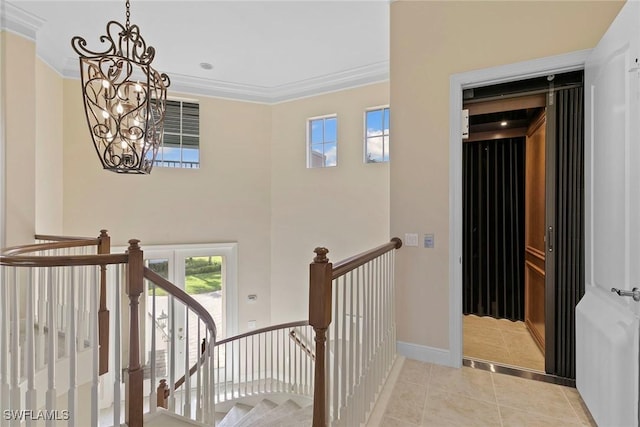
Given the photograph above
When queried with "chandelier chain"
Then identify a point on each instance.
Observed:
(128, 13)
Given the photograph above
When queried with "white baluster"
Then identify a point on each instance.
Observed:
(212, 381)
(4, 342)
(172, 352)
(393, 297)
(271, 355)
(335, 378)
(153, 394)
(278, 361)
(260, 355)
(198, 379)
(15, 346)
(95, 345)
(65, 310)
(187, 378)
(209, 393)
(31, 394)
(52, 351)
(246, 364)
(72, 400)
(42, 308)
(358, 354)
(117, 353)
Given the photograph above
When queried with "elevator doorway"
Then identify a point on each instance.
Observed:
(522, 179)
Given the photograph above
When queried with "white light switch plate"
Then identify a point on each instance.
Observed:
(411, 239)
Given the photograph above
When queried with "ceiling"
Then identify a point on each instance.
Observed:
(263, 51)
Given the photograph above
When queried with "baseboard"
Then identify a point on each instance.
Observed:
(424, 353)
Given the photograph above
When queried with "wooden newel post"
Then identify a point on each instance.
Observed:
(104, 247)
(134, 391)
(320, 277)
(162, 395)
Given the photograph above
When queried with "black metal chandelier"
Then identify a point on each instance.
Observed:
(124, 98)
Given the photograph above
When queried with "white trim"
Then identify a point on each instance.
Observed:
(19, 21)
(341, 80)
(488, 76)
(424, 353)
(27, 25)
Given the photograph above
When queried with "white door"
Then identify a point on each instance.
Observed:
(607, 364)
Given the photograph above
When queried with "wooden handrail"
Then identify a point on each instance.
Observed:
(181, 295)
(39, 247)
(263, 330)
(63, 261)
(349, 264)
(61, 238)
(321, 275)
(302, 345)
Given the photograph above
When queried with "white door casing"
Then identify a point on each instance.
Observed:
(607, 371)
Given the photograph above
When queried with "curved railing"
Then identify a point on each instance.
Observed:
(54, 299)
(48, 306)
(275, 359)
(194, 359)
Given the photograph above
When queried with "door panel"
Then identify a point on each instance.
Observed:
(535, 230)
(607, 324)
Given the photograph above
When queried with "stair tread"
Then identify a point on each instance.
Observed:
(235, 414)
(280, 411)
(256, 413)
(299, 418)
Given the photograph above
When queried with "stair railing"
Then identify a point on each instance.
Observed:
(49, 293)
(188, 351)
(54, 319)
(264, 361)
(86, 246)
(357, 295)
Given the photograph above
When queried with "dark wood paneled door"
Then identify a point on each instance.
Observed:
(535, 229)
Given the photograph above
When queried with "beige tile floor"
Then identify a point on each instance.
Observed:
(501, 341)
(433, 395)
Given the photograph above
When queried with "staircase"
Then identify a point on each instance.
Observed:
(264, 413)
(59, 358)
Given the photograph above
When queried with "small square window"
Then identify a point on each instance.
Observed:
(322, 142)
(376, 138)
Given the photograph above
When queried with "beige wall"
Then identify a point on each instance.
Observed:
(48, 151)
(253, 187)
(18, 71)
(226, 200)
(344, 208)
(430, 41)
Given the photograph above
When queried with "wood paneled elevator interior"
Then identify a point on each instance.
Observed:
(522, 179)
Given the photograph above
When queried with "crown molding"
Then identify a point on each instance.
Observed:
(19, 21)
(359, 76)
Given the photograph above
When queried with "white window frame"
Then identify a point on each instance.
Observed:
(366, 138)
(158, 162)
(308, 132)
